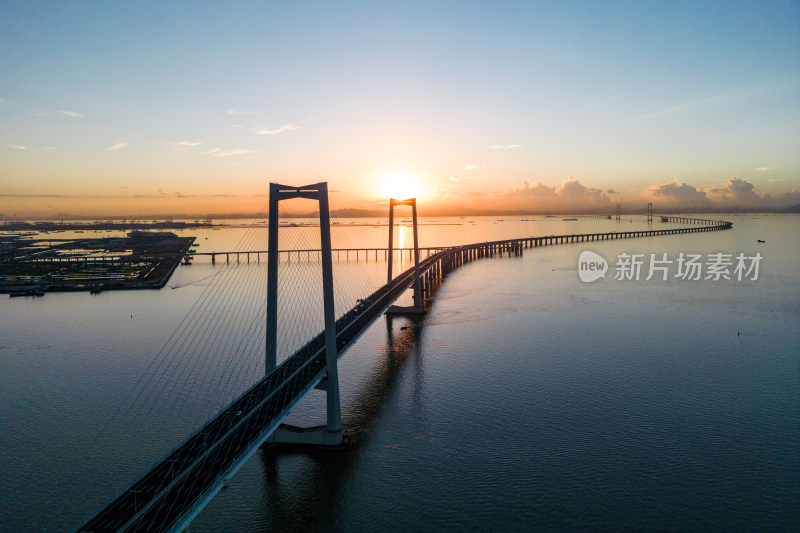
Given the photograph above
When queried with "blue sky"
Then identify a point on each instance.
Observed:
(195, 106)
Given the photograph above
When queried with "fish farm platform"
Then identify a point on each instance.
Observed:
(142, 260)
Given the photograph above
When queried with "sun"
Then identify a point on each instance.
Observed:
(400, 185)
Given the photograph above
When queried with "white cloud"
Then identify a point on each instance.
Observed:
(503, 146)
(189, 143)
(764, 169)
(216, 152)
(676, 191)
(570, 195)
(470, 167)
(118, 146)
(59, 112)
(17, 147)
(282, 129)
(736, 191)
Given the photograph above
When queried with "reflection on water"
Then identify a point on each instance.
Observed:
(305, 503)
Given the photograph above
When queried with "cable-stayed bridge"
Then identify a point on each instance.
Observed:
(176, 489)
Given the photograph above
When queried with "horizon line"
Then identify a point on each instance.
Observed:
(375, 213)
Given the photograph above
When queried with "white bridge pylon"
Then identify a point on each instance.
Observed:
(332, 433)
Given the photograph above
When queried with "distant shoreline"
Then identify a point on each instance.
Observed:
(183, 220)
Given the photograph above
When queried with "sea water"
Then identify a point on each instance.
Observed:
(525, 399)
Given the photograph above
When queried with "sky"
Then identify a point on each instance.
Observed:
(126, 108)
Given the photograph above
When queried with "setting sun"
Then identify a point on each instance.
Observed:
(400, 185)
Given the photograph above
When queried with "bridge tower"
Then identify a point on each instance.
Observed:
(418, 297)
(332, 433)
(650, 212)
(619, 211)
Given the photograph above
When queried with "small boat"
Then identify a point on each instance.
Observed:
(759, 240)
(26, 292)
(569, 219)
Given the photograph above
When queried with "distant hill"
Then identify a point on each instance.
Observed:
(790, 209)
(357, 213)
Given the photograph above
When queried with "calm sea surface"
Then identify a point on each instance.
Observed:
(525, 400)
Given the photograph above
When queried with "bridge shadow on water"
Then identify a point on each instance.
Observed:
(310, 499)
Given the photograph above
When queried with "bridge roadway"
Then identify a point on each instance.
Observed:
(171, 494)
